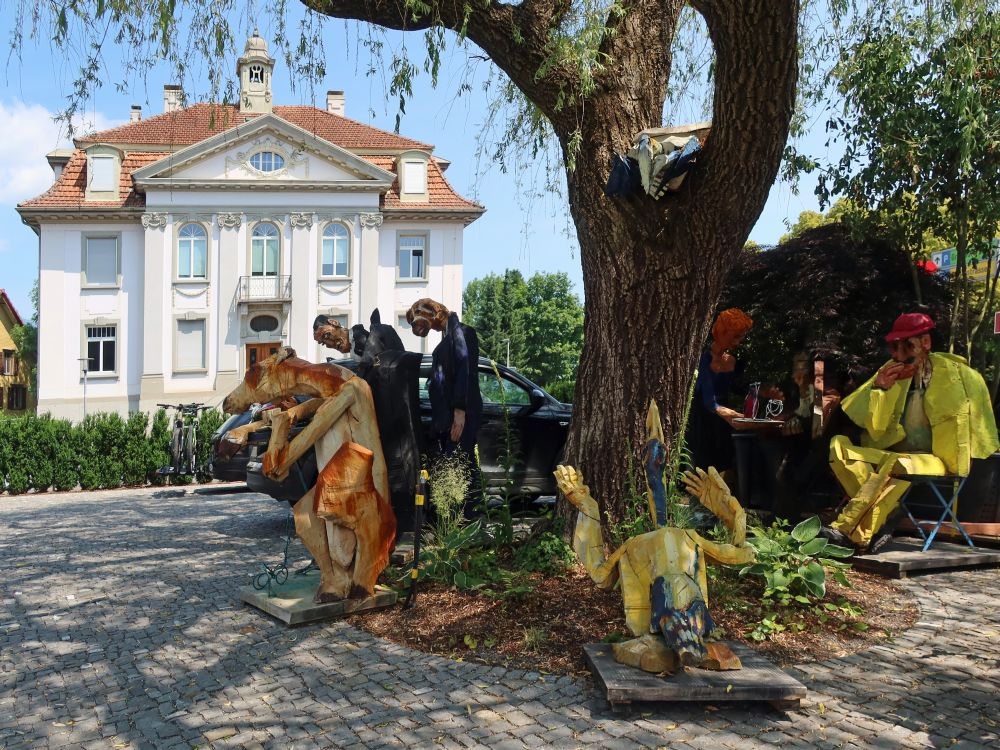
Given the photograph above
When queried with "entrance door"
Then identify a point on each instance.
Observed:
(258, 352)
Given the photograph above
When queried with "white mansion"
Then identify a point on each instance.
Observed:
(176, 251)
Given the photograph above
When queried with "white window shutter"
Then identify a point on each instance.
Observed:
(191, 344)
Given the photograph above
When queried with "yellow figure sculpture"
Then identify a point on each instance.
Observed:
(662, 573)
(922, 413)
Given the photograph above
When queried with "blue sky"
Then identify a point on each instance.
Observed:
(524, 227)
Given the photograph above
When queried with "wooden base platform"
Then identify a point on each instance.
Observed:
(903, 557)
(759, 680)
(292, 602)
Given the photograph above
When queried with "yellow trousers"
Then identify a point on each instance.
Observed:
(871, 478)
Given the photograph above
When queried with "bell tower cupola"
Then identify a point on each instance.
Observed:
(254, 69)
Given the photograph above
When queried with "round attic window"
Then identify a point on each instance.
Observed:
(267, 161)
(263, 323)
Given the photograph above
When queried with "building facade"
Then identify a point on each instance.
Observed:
(16, 397)
(176, 251)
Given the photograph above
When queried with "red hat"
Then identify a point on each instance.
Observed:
(908, 325)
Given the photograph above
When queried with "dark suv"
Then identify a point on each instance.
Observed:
(538, 427)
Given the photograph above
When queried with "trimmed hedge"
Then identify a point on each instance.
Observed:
(102, 452)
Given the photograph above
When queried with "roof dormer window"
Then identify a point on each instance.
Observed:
(102, 174)
(267, 161)
(411, 168)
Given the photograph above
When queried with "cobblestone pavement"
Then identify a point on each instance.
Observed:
(120, 628)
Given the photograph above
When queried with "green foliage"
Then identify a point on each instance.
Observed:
(135, 450)
(863, 284)
(549, 553)
(25, 339)
(920, 92)
(794, 564)
(159, 446)
(104, 451)
(449, 486)
(635, 519)
(539, 318)
(209, 422)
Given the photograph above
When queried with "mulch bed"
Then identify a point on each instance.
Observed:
(545, 630)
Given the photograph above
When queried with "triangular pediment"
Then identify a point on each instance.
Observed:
(265, 149)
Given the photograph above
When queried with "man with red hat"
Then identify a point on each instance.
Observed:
(923, 412)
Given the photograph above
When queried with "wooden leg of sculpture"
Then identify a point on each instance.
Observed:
(334, 581)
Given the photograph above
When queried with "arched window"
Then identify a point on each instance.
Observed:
(336, 251)
(256, 74)
(264, 244)
(192, 252)
(267, 161)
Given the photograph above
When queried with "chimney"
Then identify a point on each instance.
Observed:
(136, 114)
(58, 159)
(335, 102)
(172, 98)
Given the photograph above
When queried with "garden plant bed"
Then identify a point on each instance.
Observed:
(545, 630)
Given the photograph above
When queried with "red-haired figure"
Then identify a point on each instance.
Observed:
(710, 422)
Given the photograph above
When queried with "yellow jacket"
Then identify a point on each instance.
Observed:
(957, 404)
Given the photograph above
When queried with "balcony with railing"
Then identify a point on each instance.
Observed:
(265, 288)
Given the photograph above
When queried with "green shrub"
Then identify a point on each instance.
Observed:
(64, 459)
(42, 447)
(794, 563)
(211, 420)
(85, 444)
(158, 453)
(135, 448)
(549, 553)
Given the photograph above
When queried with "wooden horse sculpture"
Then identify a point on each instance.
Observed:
(344, 521)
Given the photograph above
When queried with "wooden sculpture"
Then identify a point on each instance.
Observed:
(662, 573)
(344, 521)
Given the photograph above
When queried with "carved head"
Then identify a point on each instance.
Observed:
(261, 384)
(730, 328)
(426, 314)
(330, 333)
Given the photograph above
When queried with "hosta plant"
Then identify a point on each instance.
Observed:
(794, 564)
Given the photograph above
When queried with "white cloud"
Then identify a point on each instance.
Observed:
(29, 132)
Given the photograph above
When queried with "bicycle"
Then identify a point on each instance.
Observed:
(184, 438)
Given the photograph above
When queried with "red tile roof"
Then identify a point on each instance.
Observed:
(10, 306)
(174, 130)
(70, 189)
(441, 195)
(200, 121)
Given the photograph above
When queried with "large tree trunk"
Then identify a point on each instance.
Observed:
(652, 270)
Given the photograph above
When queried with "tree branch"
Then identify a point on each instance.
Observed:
(516, 38)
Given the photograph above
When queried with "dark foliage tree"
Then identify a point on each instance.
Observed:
(830, 294)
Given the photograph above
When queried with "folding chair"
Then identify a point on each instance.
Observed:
(946, 489)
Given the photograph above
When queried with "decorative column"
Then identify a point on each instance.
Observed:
(368, 269)
(229, 267)
(303, 270)
(157, 275)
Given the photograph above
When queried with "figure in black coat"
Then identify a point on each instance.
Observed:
(456, 405)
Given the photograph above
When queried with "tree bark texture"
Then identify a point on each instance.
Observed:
(652, 270)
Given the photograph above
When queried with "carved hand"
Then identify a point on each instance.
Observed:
(711, 489)
(571, 484)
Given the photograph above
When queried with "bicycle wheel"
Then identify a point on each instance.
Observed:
(190, 449)
(175, 450)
